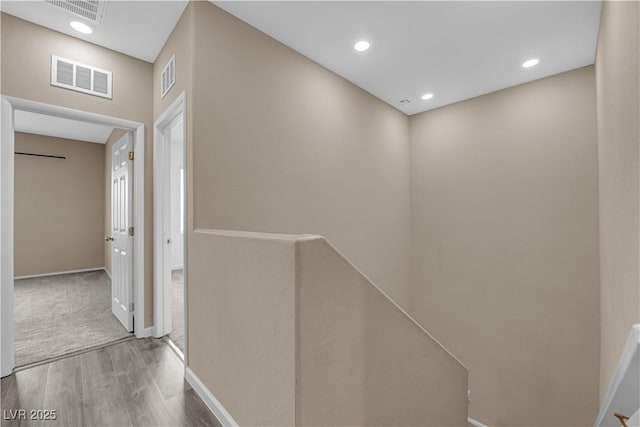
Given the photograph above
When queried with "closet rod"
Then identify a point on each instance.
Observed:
(40, 155)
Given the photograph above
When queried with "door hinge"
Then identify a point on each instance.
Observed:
(131, 155)
(130, 231)
(131, 307)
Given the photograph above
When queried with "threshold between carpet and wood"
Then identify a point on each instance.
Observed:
(63, 314)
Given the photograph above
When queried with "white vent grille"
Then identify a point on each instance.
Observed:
(80, 77)
(65, 73)
(92, 10)
(83, 77)
(168, 77)
(102, 82)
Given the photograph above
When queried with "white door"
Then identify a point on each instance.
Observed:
(122, 232)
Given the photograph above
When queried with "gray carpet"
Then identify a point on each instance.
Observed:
(57, 315)
(177, 309)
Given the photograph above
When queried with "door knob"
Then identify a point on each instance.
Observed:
(109, 239)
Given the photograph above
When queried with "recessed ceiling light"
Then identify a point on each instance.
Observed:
(81, 27)
(427, 96)
(530, 63)
(361, 46)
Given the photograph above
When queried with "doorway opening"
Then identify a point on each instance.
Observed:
(170, 225)
(69, 268)
(63, 288)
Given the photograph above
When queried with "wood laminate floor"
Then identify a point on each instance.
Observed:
(133, 383)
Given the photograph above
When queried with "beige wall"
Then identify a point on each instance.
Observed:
(113, 138)
(284, 331)
(282, 145)
(504, 204)
(361, 361)
(505, 247)
(618, 94)
(180, 44)
(241, 317)
(26, 74)
(59, 205)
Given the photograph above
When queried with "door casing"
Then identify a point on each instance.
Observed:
(7, 147)
(161, 225)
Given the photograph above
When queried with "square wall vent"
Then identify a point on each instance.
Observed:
(92, 10)
(168, 76)
(81, 77)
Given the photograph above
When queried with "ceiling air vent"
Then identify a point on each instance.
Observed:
(92, 10)
(168, 77)
(404, 101)
(80, 77)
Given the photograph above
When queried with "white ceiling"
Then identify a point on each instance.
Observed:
(456, 50)
(136, 28)
(41, 124)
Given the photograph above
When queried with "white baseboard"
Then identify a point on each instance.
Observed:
(175, 348)
(210, 400)
(475, 423)
(59, 273)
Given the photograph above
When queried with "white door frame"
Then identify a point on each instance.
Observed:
(7, 148)
(161, 152)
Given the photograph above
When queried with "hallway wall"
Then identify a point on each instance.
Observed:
(59, 205)
(26, 74)
(276, 143)
(618, 93)
(505, 247)
(283, 145)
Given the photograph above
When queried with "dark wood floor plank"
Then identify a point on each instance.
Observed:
(64, 392)
(144, 401)
(168, 373)
(133, 383)
(125, 358)
(107, 413)
(23, 391)
(99, 377)
(150, 350)
(188, 410)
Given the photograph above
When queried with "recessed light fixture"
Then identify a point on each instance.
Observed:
(530, 63)
(81, 27)
(427, 96)
(361, 46)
